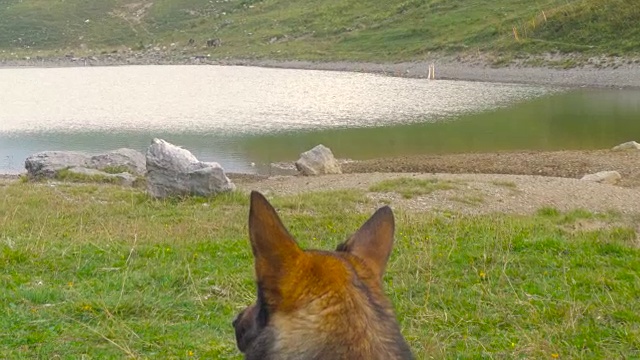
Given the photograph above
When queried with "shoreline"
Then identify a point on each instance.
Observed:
(519, 182)
(590, 77)
(618, 73)
(568, 164)
(463, 194)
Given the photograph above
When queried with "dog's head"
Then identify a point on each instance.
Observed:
(319, 304)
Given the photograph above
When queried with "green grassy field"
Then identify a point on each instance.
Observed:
(99, 272)
(366, 30)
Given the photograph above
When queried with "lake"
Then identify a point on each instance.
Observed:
(242, 115)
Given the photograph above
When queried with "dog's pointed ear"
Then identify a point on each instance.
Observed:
(373, 242)
(274, 249)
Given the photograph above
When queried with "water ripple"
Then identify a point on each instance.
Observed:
(231, 100)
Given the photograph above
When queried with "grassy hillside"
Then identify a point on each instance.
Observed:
(322, 29)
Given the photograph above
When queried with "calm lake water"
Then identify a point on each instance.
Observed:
(240, 115)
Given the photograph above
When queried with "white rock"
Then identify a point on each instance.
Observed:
(605, 177)
(173, 171)
(629, 145)
(318, 161)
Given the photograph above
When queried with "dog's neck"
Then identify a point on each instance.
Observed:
(370, 332)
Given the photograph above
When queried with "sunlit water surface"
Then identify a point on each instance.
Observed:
(240, 115)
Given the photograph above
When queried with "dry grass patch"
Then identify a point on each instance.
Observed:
(411, 187)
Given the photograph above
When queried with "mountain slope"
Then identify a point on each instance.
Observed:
(323, 29)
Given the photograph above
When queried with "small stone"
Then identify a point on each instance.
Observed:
(629, 145)
(604, 177)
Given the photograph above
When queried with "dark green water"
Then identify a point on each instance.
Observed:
(578, 119)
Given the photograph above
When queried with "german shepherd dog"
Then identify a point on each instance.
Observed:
(319, 305)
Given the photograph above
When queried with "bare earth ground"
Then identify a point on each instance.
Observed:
(569, 164)
(511, 182)
(516, 182)
(618, 73)
(472, 193)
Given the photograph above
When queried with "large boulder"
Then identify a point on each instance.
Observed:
(127, 160)
(174, 171)
(47, 164)
(126, 163)
(629, 145)
(605, 177)
(318, 161)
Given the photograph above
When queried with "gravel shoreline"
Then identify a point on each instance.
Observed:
(561, 164)
(598, 73)
(621, 77)
(471, 194)
(515, 182)
(572, 164)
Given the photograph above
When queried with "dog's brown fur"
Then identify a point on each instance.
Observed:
(319, 304)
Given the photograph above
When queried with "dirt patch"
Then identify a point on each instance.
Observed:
(133, 12)
(567, 164)
(473, 194)
(516, 182)
(8, 178)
